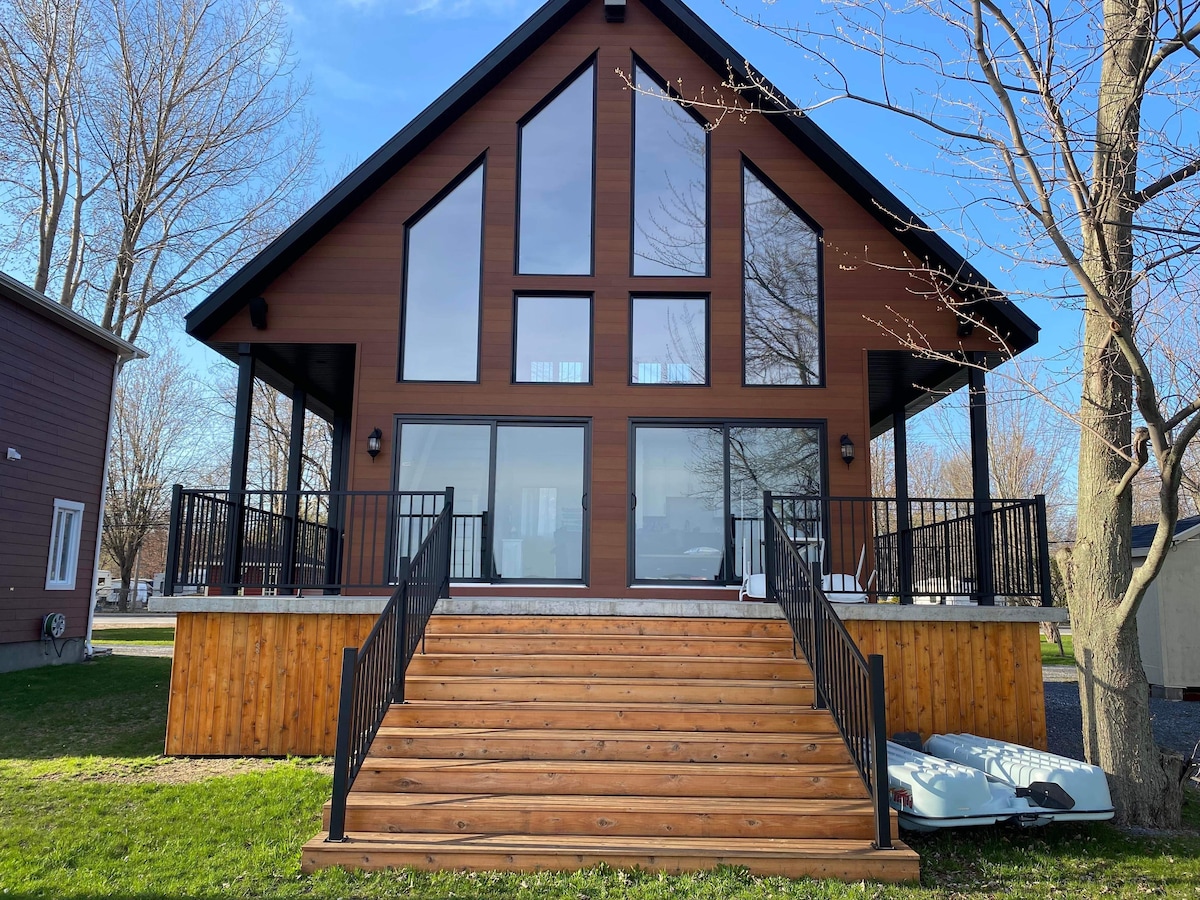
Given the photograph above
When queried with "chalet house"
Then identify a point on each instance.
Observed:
(595, 370)
(56, 396)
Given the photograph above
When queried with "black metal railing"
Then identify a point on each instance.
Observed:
(249, 542)
(845, 682)
(373, 674)
(931, 549)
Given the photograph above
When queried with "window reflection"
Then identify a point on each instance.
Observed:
(782, 290)
(670, 204)
(556, 184)
(669, 340)
(554, 339)
(441, 294)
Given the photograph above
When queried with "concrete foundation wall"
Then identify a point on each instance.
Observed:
(32, 654)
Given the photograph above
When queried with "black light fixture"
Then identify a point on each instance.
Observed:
(847, 450)
(374, 443)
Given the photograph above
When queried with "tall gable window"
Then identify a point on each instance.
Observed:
(670, 183)
(555, 215)
(443, 253)
(781, 270)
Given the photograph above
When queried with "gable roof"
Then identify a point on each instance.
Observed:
(203, 321)
(25, 296)
(1143, 535)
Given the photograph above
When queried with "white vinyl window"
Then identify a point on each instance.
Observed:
(64, 545)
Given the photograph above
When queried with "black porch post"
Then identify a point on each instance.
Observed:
(981, 479)
(903, 522)
(239, 464)
(291, 500)
(339, 460)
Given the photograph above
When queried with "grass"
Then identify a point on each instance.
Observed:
(152, 636)
(1051, 656)
(99, 815)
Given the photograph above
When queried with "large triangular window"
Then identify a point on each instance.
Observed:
(556, 172)
(670, 182)
(781, 269)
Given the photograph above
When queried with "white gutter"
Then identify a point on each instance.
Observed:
(112, 408)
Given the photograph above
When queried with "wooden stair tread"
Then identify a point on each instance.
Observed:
(607, 680)
(694, 709)
(693, 805)
(648, 626)
(590, 734)
(568, 843)
(585, 766)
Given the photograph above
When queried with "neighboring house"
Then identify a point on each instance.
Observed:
(56, 395)
(1168, 622)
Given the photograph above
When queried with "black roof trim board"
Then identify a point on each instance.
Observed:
(928, 246)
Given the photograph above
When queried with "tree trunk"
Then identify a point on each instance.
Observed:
(1144, 780)
(127, 585)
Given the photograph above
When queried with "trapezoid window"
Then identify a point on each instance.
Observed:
(555, 214)
(443, 253)
(670, 182)
(781, 270)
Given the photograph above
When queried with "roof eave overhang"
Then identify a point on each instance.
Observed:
(27, 297)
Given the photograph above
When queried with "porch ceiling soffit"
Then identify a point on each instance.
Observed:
(325, 372)
(898, 375)
(253, 278)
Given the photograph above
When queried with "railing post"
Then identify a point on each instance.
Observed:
(984, 553)
(401, 629)
(235, 536)
(818, 637)
(1043, 550)
(904, 549)
(449, 539)
(173, 536)
(485, 546)
(879, 763)
(341, 753)
(769, 560)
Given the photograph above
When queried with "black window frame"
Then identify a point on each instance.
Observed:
(819, 232)
(495, 422)
(590, 296)
(480, 162)
(593, 62)
(706, 296)
(821, 426)
(665, 86)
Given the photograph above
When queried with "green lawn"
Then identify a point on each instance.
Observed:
(153, 636)
(87, 810)
(1051, 657)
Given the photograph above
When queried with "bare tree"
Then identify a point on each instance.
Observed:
(158, 440)
(157, 144)
(1070, 124)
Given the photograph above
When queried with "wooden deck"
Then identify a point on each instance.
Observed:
(683, 755)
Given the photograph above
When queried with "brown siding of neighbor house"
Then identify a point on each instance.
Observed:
(55, 395)
(347, 287)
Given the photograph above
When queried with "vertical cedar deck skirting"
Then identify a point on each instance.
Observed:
(266, 684)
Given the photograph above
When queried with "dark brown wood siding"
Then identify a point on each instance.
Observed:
(347, 288)
(55, 394)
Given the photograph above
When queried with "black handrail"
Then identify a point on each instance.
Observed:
(845, 682)
(373, 674)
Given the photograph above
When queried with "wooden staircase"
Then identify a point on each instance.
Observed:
(535, 743)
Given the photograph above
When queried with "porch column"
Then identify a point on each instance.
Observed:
(981, 478)
(339, 460)
(903, 522)
(239, 463)
(291, 501)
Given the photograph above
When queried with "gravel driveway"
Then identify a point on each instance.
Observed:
(1176, 724)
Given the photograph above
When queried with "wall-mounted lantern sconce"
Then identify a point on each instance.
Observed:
(847, 450)
(374, 443)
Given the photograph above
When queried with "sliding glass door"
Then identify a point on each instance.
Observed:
(696, 509)
(520, 502)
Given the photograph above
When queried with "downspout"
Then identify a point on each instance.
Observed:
(112, 408)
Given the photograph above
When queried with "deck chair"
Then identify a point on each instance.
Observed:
(848, 588)
(753, 586)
